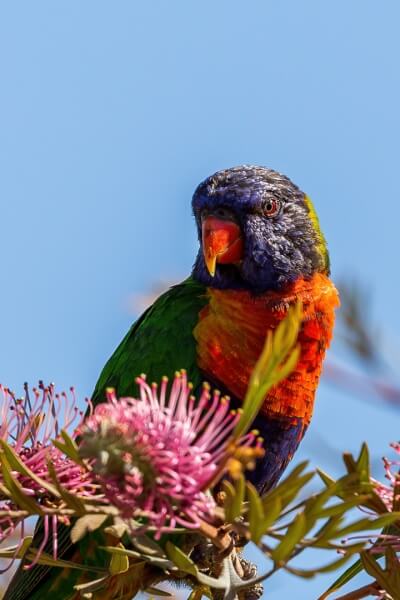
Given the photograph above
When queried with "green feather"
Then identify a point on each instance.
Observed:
(321, 242)
(159, 343)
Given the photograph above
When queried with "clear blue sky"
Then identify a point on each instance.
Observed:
(112, 112)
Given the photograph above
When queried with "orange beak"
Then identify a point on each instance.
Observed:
(222, 243)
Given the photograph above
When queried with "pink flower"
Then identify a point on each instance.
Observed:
(386, 492)
(28, 426)
(389, 494)
(156, 456)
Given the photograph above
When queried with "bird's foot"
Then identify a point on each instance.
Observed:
(228, 574)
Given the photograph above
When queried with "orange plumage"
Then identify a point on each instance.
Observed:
(231, 333)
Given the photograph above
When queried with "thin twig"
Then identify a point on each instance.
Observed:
(220, 538)
(371, 589)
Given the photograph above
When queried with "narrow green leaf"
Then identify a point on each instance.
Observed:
(119, 563)
(27, 541)
(163, 563)
(254, 396)
(295, 532)
(332, 566)
(352, 484)
(341, 508)
(289, 494)
(272, 511)
(229, 492)
(350, 463)
(70, 443)
(368, 524)
(180, 559)
(4, 492)
(330, 527)
(314, 504)
(240, 487)
(256, 513)
(327, 479)
(48, 560)
(62, 447)
(119, 550)
(18, 495)
(68, 447)
(393, 566)
(10, 552)
(363, 463)
(16, 464)
(349, 549)
(347, 576)
(295, 472)
(376, 503)
(289, 487)
(288, 366)
(374, 569)
(234, 498)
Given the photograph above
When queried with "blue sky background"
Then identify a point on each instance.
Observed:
(112, 112)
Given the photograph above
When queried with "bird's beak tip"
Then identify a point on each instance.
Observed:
(222, 243)
(210, 260)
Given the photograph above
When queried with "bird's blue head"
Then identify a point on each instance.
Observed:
(258, 231)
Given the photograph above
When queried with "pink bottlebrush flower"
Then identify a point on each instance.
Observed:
(28, 425)
(386, 492)
(389, 494)
(155, 457)
(152, 458)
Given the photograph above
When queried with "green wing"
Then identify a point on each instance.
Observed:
(158, 344)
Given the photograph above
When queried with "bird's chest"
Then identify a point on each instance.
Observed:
(231, 333)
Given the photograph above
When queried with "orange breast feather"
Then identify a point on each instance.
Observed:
(231, 333)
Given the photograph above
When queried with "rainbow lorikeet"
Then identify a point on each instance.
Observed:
(261, 250)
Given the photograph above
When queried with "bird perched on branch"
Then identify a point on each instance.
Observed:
(261, 250)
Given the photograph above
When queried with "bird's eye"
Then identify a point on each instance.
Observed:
(271, 207)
